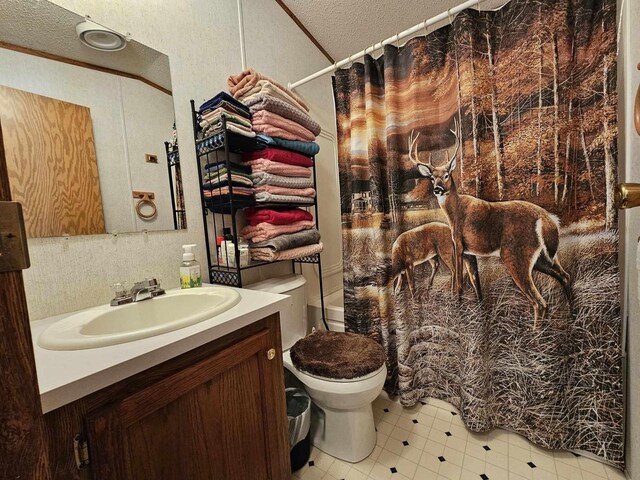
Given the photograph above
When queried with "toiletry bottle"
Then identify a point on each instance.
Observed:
(228, 249)
(219, 241)
(190, 276)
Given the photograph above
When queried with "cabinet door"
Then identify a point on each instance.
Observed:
(213, 420)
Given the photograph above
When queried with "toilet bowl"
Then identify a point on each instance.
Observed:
(342, 423)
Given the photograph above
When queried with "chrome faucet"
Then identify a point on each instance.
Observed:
(140, 291)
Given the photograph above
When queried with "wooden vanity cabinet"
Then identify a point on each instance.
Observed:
(217, 412)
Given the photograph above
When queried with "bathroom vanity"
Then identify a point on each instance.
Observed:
(203, 402)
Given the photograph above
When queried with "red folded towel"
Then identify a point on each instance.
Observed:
(276, 217)
(278, 155)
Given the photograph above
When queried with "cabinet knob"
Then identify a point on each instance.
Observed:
(271, 353)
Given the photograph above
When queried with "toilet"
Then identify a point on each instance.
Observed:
(342, 424)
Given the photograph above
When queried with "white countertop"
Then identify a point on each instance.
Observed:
(66, 376)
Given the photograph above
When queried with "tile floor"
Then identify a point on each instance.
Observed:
(429, 441)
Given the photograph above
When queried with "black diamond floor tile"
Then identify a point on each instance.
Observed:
(414, 420)
(531, 464)
(442, 459)
(486, 447)
(393, 470)
(386, 410)
(484, 477)
(311, 463)
(405, 443)
(448, 434)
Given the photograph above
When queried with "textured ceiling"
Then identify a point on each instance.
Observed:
(41, 25)
(344, 27)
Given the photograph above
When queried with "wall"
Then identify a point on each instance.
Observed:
(148, 122)
(129, 119)
(201, 38)
(629, 171)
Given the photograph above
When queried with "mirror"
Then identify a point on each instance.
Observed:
(88, 125)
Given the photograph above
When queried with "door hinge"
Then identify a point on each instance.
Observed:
(80, 452)
(14, 254)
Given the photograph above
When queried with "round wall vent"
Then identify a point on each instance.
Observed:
(99, 37)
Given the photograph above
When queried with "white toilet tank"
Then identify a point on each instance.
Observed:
(293, 322)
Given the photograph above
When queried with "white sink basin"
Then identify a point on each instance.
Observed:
(106, 325)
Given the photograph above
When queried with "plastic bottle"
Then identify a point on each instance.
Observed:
(228, 249)
(190, 276)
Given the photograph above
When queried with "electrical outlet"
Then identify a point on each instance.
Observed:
(151, 158)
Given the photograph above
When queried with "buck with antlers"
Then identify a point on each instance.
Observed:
(428, 243)
(525, 236)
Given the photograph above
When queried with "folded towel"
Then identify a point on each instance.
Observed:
(216, 141)
(245, 81)
(276, 217)
(284, 109)
(227, 101)
(235, 167)
(218, 182)
(306, 148)
(300, 192)
(218, 114)
(217, 128)
(264, 165)
(280, 155)
(266, 231)
(264, 178)
(290, 240)
(273, 131)
(274, 125)
(242, 191)
(268, 255)
(266, 197)
(222, 172)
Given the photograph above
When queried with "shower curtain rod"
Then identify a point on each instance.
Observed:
(394, 39)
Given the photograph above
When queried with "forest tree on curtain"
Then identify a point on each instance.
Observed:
(518, 104)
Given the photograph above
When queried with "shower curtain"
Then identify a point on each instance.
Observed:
(514, 106)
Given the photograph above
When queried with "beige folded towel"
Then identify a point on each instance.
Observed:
(246, 80)
(265, 87)
(267, 254)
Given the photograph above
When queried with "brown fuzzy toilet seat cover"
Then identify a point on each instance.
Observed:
(338, 355)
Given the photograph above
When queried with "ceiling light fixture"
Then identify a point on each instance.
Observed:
(100, 38)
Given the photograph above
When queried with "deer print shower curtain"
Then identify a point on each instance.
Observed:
(477, 169)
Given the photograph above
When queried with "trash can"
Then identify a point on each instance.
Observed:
(299, 415)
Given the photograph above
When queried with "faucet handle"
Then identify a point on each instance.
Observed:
(146, 283)
(120, 289)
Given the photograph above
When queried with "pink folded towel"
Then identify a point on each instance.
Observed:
(277, 168)
(300, 192)
(267, 231)
(276, 126)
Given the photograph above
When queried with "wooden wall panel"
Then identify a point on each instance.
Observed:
(51, 159)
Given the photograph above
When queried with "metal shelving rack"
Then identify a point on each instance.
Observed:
(173, 164)
(222, 213)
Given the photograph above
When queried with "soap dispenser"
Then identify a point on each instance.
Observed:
(190, 276)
